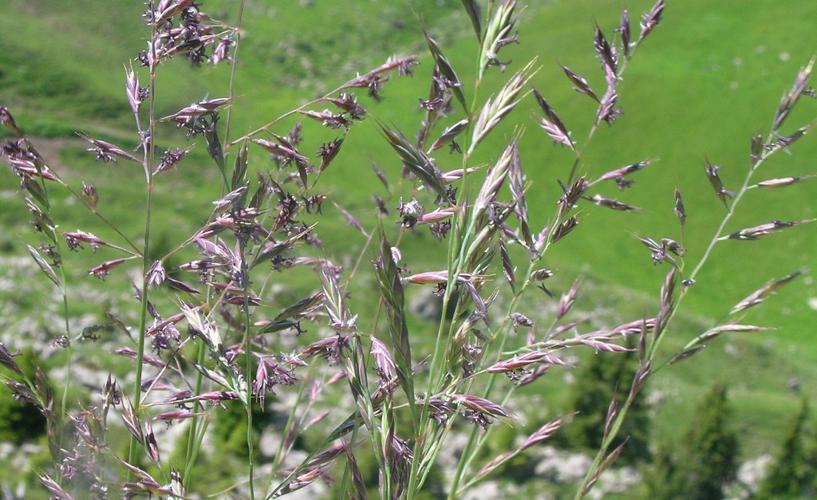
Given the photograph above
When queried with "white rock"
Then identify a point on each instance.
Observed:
(486, 489)
(751, 473)
(561, 466)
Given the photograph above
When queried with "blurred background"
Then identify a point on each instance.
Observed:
(702, 85)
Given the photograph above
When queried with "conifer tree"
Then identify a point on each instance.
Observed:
(793, 471)
(600, 380)
(704, 460)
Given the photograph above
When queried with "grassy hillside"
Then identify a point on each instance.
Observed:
(704, 83)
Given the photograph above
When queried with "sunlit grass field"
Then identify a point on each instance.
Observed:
(707, 80)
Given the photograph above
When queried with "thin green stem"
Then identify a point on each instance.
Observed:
(104, 220)
(192, 443)
(148, 143)
(248, 373)
(140, 351)
(233, 71)
(347, 470)
(64, 291)
(584, 487)
(69, 366)
(266, 126)
(580, 152)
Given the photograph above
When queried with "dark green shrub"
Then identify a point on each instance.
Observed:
(601, 379)
(704, 460)
(20, 421)
(793, 472)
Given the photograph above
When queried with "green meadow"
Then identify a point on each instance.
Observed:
(700, 87)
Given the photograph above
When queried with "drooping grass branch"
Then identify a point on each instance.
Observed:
(761, 150)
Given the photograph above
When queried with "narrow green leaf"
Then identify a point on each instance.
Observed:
(391, 290)
(473, 10)
(419, 163)
(240, 168)
(44, 266)
(446, 70)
